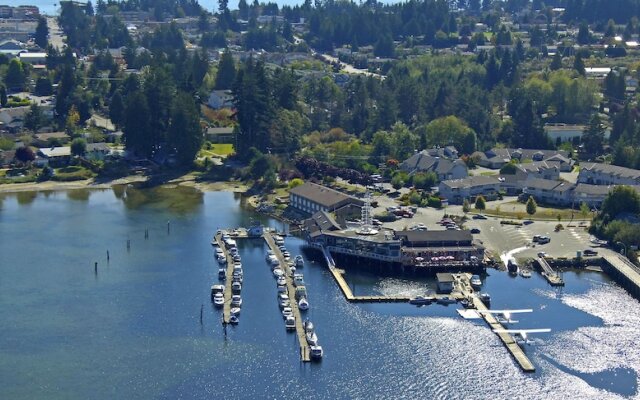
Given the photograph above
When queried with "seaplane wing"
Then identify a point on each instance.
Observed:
(528, 310)
(522, 331)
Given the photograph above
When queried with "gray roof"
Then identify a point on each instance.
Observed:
(547, 184)
(430, 160)
(55, 152)
(324, 221)
(51, 135)
(322, 195)
(609, 169)
(220, 131)
(98, 147)
(444, 277)
(594, 190)
(538, 166)
(470, 181)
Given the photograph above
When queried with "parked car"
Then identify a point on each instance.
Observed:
(475, 230)
(479, 216)
(542, 254)
(544, 240)
(589, 252)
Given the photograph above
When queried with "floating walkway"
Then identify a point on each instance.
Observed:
(509, 342)
(226, 313)
(550, 275)
(305, 353)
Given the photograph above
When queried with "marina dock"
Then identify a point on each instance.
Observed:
(305, 353)
(226, 313)
(550, 275)
(512, 346)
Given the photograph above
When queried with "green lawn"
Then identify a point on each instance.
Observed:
(217, 149)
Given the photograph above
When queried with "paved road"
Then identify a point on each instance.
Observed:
(56, 36)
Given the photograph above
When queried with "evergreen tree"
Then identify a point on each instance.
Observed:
(578, 65)
(78, 147)
(116, 109)
(138, 137)
(556, 62)
(481, 203)
(531, 206)
(15, 77)
(185, 133)
(43, 86)
(34, 119)
(593, 136)
(466, 207)
(226, 71)
(3, 96)
(41, 37)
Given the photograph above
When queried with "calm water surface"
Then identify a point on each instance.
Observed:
(132, 330)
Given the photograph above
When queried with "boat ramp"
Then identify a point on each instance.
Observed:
(549, 274)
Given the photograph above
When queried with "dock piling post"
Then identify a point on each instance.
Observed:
(128, 245)
(95, 268)
(108, 256)
(168, 227)
(201, 311)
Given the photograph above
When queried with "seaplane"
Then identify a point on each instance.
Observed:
(521, 335)
(502, 316)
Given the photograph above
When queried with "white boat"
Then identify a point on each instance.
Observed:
(235, 311)
(525, 273)
(279, 241)
(236, 300)
(236, 287)
(269, 255)
(222, 260)
(445, 300)
(286, 254)
(475, 281)
(230, 243)
(290, 323)
(287, 312)
(283, 300)
(233, 320)
(217, 289)
(219, 251)
(218, 300)
(282, 289)
(222, 273)
(273, 260)
(277, 272)
(316, 352)
(312, 338)
(298, 279)
(299, 261)
(303, 304)
(420, 301)
(237, 258)
(281, 281)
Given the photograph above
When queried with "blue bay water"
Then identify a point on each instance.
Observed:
(132, 330)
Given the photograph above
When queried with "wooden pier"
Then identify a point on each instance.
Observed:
(305, 352)
(509, 342)
(226, 313)
(550, 275)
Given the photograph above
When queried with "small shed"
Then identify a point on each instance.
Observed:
(445, 282)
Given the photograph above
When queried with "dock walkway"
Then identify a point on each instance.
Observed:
(512, 346)
(550, 275)
(226, 313)
(305, 353)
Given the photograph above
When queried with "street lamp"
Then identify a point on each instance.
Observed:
(624, 247)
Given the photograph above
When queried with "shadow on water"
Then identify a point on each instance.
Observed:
(622, 381)
(79, 194)
(25, 198)
(177, 199)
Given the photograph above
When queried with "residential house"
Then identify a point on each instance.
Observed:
(310, 197)
(97, 151)
(443, 168)
(606, 174)
(12, 119)
(46, 139)
(549, 192)
(7, 157)
(220, 135)
(220, 99)
(456, 190)
(54, 156)
(591, 195)
(497, 158)
(541, 169)
(564, 132)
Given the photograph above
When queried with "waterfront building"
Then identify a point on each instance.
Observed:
(309, 198)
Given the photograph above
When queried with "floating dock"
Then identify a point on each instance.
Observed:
(226, 313)
(550, 275)
(305, 353)
(509, 342)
